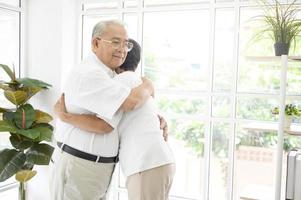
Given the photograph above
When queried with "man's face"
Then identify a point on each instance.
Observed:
(106, 46)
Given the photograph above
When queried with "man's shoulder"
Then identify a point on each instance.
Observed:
(88, 67)
(130, 79)
(129, 75)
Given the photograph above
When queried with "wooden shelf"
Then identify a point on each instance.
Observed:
(257, 126)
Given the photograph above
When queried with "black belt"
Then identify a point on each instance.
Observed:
(87, 156)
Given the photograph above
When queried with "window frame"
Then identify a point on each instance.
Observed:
(21, 57)
(233, 95)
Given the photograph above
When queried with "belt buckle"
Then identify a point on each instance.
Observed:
(62, 147)
(97, 160)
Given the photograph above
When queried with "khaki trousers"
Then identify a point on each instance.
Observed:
(152, 184)
(73, 178)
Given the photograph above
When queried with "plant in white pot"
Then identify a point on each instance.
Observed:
(28, 130)
(290, 112)
(281, 23)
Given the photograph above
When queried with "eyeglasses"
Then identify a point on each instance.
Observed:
(128, 46)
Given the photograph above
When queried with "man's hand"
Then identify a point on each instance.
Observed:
(164, 127)
(138, 95)
(150, 83)
(60, 108)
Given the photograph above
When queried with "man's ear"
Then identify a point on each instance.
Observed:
(94, 44)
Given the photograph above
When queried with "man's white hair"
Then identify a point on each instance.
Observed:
(101, 27)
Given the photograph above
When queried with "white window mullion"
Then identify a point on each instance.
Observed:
(209, 127)
(233, 105)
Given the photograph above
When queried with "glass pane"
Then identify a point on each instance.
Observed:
(249, 44)
(255, 156)
(130, 3)
(256, 108)
(164, 2)
(262, 77)
(296, 50)
(104, 4)
(131, 21)
(88, 24)
(9, 40)
(221, 106)
(9, 48)
(294, 78)
(218, 179)
(297, 103)
(179, 105)
(224, 62)
(187, 143)
(11, 2)
(220, 1)
(177, 57)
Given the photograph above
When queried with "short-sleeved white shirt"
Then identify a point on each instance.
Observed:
(142, 145)
(90, 89)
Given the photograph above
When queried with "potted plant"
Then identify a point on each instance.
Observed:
(28, 129)
(290, 112)
(280, 22)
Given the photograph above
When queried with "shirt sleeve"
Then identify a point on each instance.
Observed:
(114, 121)
(100, 94)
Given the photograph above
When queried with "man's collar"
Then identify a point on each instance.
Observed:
(109, 71)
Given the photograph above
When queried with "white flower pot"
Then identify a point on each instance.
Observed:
(287, 121)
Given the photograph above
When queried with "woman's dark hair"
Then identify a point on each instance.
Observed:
(133, 58)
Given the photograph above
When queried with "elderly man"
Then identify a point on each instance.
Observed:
(83, 163)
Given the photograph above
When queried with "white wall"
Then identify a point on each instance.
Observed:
(51, 35)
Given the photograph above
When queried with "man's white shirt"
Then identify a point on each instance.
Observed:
(90, 89)
(142, 145)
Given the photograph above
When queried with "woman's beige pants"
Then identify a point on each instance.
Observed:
(152, 184)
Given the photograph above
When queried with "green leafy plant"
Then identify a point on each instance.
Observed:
(290, 109)
(28, 128)
(280, 22)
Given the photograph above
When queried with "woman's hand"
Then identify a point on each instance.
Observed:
(164, 127)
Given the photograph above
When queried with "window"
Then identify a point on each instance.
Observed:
(196, 53)
(10, 24)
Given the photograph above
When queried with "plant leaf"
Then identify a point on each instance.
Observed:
(45, 134)
(29, 133)
(7, 126)
(31, 91)
(42, 117)
(11, 161)
(37, 133)
(44, 125)
(25, 175)
(8, 71)
(29, 82)
(40, 154)
(9, 116)
(4, 86)
(24, 116)
(3, 110)
(19, 143)
(16, 97)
